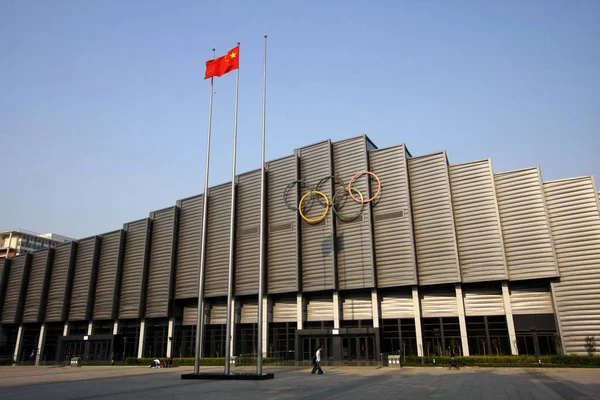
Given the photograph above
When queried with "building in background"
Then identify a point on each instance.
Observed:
(19, 241)
(445, 259)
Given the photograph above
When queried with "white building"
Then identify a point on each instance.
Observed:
(19, 241)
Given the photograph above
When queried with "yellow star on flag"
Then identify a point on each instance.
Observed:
(232, 55)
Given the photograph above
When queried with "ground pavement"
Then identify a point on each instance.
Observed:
(117, 383)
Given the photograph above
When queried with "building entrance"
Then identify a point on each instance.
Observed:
(358, 348)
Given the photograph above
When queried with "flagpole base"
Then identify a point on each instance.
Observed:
(230, 377)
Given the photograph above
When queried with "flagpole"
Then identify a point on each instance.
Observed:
(262, 221)
(231, 229)
(200, 315)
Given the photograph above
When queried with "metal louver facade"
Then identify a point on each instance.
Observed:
(481, 301)
(317, 250)
(438, 303)
(525, 226)
(135, 269)
(285, 310)
(84, 279)
(37, 287)
(106, 303)
(14, 297)
(397, 305)
(392, 219)
(530, 298)
(477, 222)
(357, 307)
(61, 279)
(4, 267)
(217, 246)
(355, 264)
(218, 313)
(282, 248)
(435, 235)
(247, 248)
(575, 220)
(249, 312)
(162, 258)
(190, 315)
(319, 308)
(189, 245)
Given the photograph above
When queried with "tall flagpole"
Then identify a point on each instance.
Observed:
(263, 195)
(231, 229)
(200, 316)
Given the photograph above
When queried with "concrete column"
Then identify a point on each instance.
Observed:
(170, 332)
(265, 324)
(17, 351)
(90, 330)
(460, 303)
(116, 328)
(66, 329)
(375, 307)
(142, 338)
(417, 310)
(510, 323)
(336, 310)
(40, 346)
(299, 310)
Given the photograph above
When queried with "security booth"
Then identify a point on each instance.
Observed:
(90, 348)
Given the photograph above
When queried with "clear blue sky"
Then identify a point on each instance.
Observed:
(103, 106)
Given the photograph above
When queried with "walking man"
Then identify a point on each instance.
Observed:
(317, 361)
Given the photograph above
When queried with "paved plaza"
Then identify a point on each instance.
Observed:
(118, 383)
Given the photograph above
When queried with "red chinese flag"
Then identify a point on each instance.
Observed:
(222, 65)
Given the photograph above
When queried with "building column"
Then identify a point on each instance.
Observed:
(375, 307)
(557, 317)
(461, 320)
(170, 331)
(299, 310)
(510, 323)
(17, 351)
(90, 330)
(336, 310)
(66, 329)
(417, 311)
(265, 324)
(142, 338)
(40, 346)
(116, 328)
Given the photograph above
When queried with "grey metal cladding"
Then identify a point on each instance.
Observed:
(108, 276)
(575, 221)
(525, 226)
(249, 312)
(247, 248)
(83, 279)
(398, 304)
(438, 302)
(218, 313)
(189, 244)
(14, 297)
(319, 308)
(282, 263)
(356, 307)
(435, 236)
(481, 301)
(190, 314)
(285, 310)
(59, 291)
(134, 269)
(477, 222)
(318, 264)
(217, 241)
(530, 297)
(354, 244)
(160, 269)
(37, 286)
(4, 268)
(394, 244)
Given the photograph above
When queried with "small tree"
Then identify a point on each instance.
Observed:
(495, 344)
(590, 345)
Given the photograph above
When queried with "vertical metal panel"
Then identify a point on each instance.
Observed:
(318, 262)
(438, 303)
(354, 244)
(575, 220)
(249, 312)
(483, 301)
(477, 222)
(4, 268)
(355, 307)
(319, 308)
(59, 292)
(530, 298)
(435, 235)
(282, 240)
(392, 219)
(160, 268)
(247, 249)
(109, 269)
(83, 280)
(190, 314)
(135, 265)
(217, 241)
(285, 310)
(37, 286)
(188, 247)
(218, 313)
(397, 305)
(525, 227)
(16, 287)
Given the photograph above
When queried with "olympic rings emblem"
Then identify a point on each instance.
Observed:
(340, 197)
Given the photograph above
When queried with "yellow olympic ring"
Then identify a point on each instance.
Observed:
(316, 220)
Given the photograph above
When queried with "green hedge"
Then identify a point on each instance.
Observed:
(244, 360)
(507, 360)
